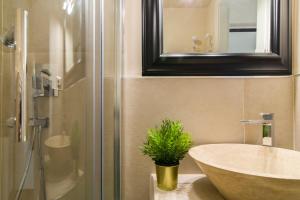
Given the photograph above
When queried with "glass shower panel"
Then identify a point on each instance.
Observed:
(47, 74)
(110, 89)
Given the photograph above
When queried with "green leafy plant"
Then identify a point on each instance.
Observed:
(168, 144)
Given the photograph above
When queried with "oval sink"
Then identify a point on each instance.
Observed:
(250, 172)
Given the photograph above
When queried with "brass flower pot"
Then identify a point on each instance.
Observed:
(167, 177)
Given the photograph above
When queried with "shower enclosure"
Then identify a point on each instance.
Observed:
(59, 90)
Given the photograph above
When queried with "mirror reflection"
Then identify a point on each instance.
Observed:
(216, 26)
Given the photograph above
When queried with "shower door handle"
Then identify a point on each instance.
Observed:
(21, 31)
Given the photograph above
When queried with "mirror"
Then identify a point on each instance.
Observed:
(216, 26)
(217, 37)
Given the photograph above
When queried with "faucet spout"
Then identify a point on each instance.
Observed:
(255, 122)
(267, 124)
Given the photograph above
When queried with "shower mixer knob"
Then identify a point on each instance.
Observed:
(11, 122)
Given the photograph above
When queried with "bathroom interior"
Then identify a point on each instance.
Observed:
(84, 83)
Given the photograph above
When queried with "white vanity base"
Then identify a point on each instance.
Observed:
(190, 187)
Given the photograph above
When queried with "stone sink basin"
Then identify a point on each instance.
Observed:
(250, 172)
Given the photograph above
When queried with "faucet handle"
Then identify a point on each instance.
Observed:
(267, 116)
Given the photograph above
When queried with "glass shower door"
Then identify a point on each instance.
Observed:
(48, 141)
(7, 106)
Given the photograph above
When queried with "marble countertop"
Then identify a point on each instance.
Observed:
(190, 187)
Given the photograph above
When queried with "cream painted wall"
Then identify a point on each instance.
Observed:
(296, 64)
(210, 108)
(296, 36)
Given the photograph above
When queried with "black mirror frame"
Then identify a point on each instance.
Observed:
(277, 63)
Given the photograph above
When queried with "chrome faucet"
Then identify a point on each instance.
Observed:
(267, 122)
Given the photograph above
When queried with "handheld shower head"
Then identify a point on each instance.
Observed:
(8, 38)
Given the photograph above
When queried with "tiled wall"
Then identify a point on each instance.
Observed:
(210, 108)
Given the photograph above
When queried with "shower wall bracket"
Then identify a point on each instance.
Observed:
(33, 122)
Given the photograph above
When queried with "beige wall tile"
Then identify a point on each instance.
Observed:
(272, 95)
(210, 110)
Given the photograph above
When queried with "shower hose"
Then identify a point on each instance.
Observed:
(36, 132)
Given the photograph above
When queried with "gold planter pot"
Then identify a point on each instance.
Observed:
(167, 177)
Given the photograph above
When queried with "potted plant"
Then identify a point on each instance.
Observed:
(167, 145)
